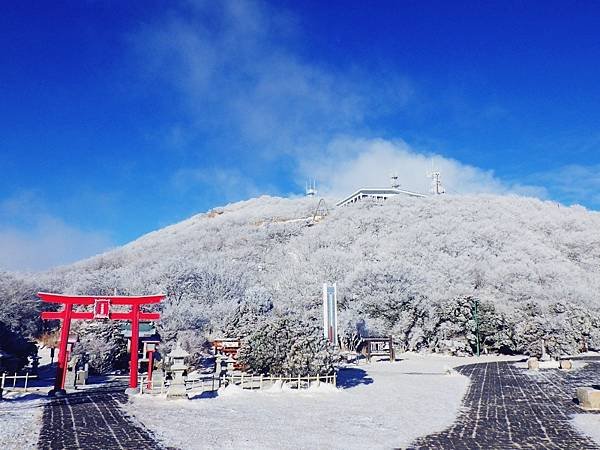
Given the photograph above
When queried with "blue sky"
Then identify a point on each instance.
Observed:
(117, 118)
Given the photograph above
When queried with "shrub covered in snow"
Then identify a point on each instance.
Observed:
(287, 346)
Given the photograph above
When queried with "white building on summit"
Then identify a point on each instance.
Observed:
(379, 194)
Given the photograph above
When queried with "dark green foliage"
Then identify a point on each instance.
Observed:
(15, 349)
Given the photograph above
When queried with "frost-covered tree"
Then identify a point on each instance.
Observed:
(403, 267)
(458, 328)
(19, 306)
(197, 299)
(102, 345)
(253, 310)
(286, 346)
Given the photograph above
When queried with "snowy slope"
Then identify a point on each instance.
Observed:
(515, 247)
(535, 265)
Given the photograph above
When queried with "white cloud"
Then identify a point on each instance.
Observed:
(228, 184)
(32, 239)
(234, 71)
(349, 163)
(573, 183)
(234, 68)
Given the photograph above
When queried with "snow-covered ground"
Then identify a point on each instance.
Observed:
(21, 412)
(588, 424)
(20, 420)
(381, 405)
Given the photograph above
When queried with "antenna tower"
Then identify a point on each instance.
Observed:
(311, 188)
(436, 183)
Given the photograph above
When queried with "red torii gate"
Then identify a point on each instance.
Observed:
(102, 304)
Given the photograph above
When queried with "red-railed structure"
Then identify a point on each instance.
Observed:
(101, 310)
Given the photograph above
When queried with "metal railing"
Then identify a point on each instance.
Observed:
(14, 379)
(245, 381)
(156, 385)
(209, 383)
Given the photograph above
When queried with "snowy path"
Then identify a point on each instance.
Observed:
(92, 419)
(507, 407)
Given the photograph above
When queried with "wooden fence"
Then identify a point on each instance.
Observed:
(245, 381)
(14, 378)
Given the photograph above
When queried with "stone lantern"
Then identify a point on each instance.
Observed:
(177, 386)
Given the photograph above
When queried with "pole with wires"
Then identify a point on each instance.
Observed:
(475, 306)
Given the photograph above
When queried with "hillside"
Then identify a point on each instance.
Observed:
(410, 266)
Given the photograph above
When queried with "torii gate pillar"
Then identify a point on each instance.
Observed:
(102, 306)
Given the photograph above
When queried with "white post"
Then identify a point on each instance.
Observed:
(26, 378)
(330, 321)
(325, 313)
(15, 380)
(3, 379)
(335, 318)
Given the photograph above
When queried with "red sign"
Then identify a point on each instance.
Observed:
(101, 308)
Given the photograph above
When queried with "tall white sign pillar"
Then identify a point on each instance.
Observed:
(330, 313)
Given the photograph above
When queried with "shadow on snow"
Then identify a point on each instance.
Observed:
(351, 377)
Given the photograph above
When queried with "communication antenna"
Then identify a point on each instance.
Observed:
(394, 179)
(436, 182)
(311, 188)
